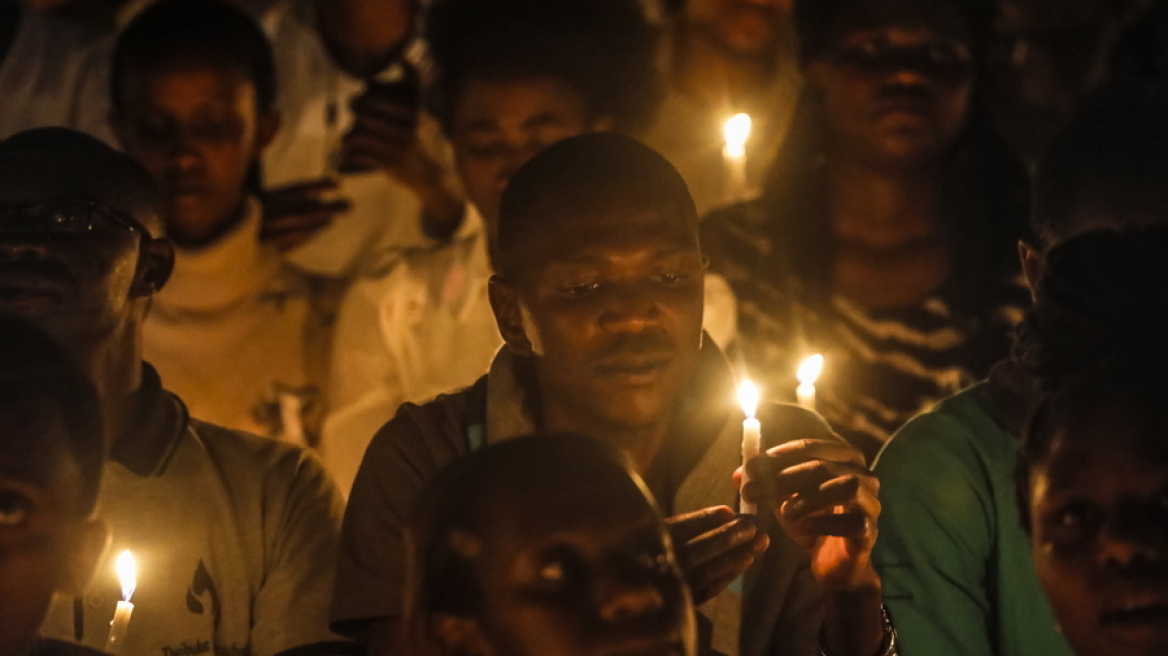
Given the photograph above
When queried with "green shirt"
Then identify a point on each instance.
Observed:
(958, 575)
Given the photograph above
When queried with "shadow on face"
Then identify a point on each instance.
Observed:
(747, 28)
(570, 557)
(498, 124)
(1099, 523)
(895, 85)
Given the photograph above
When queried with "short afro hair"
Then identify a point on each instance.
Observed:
(603, 49)
(1111, 162)
(180, 33)
(585, 175)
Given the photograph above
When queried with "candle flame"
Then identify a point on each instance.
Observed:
(736, 131)
(810, 369)
(127, 573)
(748, 397)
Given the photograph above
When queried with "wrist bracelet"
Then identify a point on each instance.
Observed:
(889, 646)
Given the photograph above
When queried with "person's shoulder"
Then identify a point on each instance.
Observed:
(959, 433)
(248, 459)
(441, 422)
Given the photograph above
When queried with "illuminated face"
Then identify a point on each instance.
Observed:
(897, 93)
(583, 572)
(611, 305)
(1099, 508)
(41, 535)
(500, 124)
(749, 28)
(197, 131)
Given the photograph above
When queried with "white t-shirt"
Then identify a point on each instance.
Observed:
(313, 99)
(232, 333)
(424, 328)
(234, 537)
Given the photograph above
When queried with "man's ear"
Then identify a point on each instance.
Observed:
(155, 264)
(267, 128)
(92, 541)
(509, 315)
(1031, 257)
(459, 636)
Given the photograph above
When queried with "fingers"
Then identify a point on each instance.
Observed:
(797, 451)
(683, 528)
(715, 558)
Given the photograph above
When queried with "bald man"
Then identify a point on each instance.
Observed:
(234, 535)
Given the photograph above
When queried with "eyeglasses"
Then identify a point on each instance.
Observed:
(64, 216)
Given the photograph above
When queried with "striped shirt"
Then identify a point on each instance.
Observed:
(883, 366)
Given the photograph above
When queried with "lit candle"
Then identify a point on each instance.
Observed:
(128, 577)
(736, 131)
(751, 436)
(807, 375)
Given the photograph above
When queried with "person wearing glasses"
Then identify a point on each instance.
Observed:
(234, 535)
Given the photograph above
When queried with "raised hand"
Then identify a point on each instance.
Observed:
(715, 546)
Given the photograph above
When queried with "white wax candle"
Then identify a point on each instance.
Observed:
(118, 627)
(751, 437)
(807, 375)
(736, 131)
(806, 396)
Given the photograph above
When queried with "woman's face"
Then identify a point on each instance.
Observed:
(896, 92)
(1099, 530)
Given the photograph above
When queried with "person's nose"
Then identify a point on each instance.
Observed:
(627, 596)
(630, 306)
(183, 152)
(1132, 542)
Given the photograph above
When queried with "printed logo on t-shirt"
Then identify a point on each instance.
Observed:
(202, 585)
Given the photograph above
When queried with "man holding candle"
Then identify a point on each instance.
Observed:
(232, 533)
(598, 295)
(50, 470)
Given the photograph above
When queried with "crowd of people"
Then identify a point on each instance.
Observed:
(414, 327)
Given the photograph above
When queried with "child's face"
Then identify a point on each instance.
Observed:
(500, 124)
(46, 546)
(563, 576)
(197, 131)
(1099, 508)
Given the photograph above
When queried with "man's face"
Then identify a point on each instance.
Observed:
(584, 572)
(1099, 508)
(71, 285)
(896, 94)
(197, 131)
(612, 307)
(41, 532)
(498, 125)
(747, 28)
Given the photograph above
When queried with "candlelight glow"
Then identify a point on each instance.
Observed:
(127, 573)
(810, 369)
(748, 397)
(736, 131)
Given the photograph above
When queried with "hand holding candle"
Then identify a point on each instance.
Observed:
(751, 436)
(128, 576)
(807, 375)
(735, 132)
